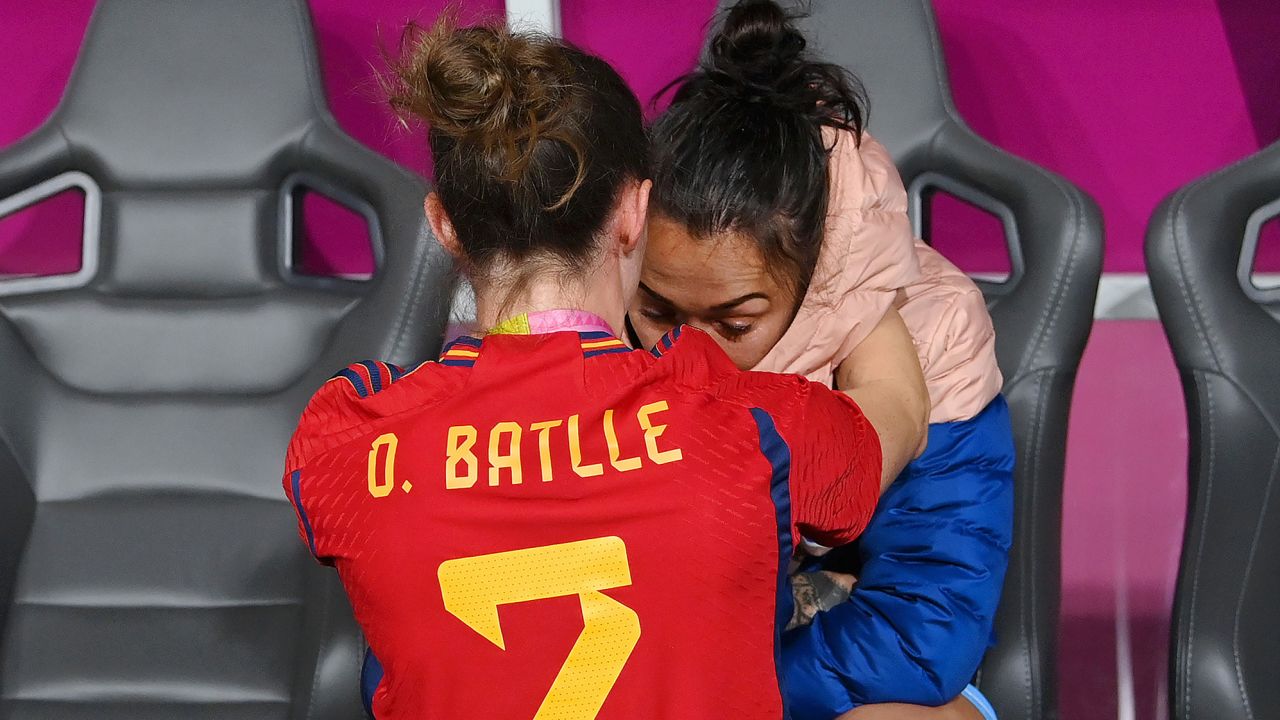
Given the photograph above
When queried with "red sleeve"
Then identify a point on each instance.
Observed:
(336, 414)
(831, 452)
(835, 467)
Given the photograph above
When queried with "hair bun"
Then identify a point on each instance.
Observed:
(759, 46)
(758, 57)
(480, 85)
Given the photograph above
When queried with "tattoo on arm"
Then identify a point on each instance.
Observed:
(814, 592)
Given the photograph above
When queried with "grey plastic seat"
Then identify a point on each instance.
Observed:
(1225, 334)
(1043, 313)
(149, 562)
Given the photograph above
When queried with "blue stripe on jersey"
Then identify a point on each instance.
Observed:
(466, 341)
(370, 678)
(779, 455)
(375, 374)
(667, 340)
(302, 514)
(397, 372)
(356, 381)
(605, 351)
(596, 335)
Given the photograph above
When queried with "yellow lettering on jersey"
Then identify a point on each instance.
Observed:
(462, 438)
(544, 444)
(611, 437)
(575, 453)
(380, 483)
(473, 588)
(653, 432)
(510, 460)
(464, 460)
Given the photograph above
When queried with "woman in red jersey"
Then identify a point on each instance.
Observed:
(545, 523)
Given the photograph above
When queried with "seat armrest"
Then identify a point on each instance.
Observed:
(33, 159)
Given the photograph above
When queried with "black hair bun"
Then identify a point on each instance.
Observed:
(758, 56)
(758, 43)
(757, 63)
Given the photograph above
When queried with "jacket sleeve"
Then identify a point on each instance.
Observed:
(955, 340)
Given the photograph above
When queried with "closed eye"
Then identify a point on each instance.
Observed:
(657, 315)
(734, 330)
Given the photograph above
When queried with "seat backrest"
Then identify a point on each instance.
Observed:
(1225, 335)
(149, 563)
(893, 49)
(1042, 314)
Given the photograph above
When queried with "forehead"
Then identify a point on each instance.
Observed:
(702, 272)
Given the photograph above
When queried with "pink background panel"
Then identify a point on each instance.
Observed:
(38, 44)
(353, 38)
(1124, 504)
(1129, 100)
(650, 43)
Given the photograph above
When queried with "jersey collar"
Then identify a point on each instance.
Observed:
(549, 321)
(594, 332)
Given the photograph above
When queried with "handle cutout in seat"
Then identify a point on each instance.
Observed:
(1259, 269)
(49, 235)
(975, 232)
(327, 235)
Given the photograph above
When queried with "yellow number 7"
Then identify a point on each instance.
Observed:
(474, 587)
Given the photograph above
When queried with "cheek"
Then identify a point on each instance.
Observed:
(750, 350)
(744, 354)
(747, 352)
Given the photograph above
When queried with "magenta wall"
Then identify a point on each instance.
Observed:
(1129, 100)
(38, 45)
(650, 43)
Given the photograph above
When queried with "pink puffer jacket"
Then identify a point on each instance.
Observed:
(868, 255)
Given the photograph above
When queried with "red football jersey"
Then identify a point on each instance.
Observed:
(559, 527)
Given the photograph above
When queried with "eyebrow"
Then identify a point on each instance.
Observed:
(720, 307)
(738, 301)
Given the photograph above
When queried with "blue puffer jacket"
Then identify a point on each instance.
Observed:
(933, 564)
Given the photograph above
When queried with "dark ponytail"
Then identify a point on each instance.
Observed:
(531, 138)
(741, 147)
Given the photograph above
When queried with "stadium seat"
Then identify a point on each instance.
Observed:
(149, 562)
(1225, 334)
(1043, 311)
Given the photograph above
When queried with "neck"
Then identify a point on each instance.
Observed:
(599, 292)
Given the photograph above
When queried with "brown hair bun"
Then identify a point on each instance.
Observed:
(531, 137)
(481, 85)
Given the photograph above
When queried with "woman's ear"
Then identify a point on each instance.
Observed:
(442, 226)
(633, 210)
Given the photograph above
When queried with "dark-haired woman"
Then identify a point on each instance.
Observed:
(547, 523)
(779, 226)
